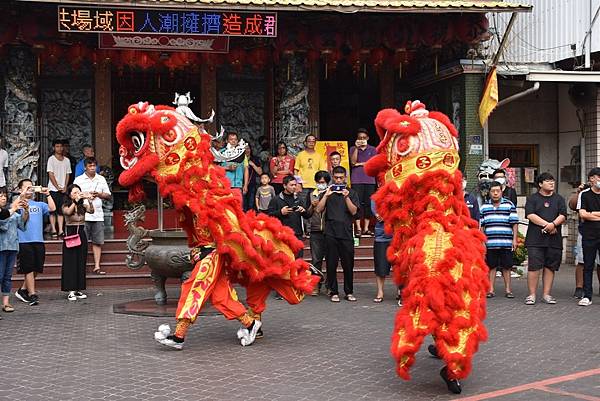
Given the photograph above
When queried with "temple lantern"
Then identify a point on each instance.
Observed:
(145, 60)
(436, 32)
(236, 58)
(331, 59)
(402, 58)
(355, 62)
(258, 58)
(377, 58)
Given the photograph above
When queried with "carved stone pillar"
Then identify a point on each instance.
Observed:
(386, 86)
(19, 130)
(103, 114)
(292, 112)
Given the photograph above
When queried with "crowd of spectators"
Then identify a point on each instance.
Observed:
(309, 193)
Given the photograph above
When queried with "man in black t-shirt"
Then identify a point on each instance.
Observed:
(589, 212)
(339, 204)
(546, 211)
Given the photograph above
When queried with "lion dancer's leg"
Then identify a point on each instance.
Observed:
(208, 281)
(258, 293)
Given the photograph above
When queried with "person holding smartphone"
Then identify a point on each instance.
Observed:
(288, 208)
(339, 204)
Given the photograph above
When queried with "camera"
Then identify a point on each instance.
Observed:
(338, 187)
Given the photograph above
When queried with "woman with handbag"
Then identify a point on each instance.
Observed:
(75, 245)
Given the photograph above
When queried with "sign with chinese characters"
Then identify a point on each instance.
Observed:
(325, 148)
(166, 22)
(142, 41)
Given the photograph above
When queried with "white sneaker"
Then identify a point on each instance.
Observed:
(80, 295)
(585, 302)
(71, 296)
(169, 342)
(250, 335)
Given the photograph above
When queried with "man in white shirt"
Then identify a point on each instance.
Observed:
(59, 170)
(3, 166)
(96, 185)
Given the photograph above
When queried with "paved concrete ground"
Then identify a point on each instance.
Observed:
(313, 351)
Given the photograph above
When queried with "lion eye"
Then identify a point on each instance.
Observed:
(138, 139)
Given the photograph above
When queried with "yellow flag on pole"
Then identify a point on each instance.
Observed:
(489, 100)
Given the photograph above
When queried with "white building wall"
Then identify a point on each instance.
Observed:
(547, 33)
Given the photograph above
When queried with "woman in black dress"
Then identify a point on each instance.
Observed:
(74, 259)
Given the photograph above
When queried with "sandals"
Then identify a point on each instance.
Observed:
(8, 308)
(350, 298)
(530, 300)
(335, 298)
(98, 272)
(369, 233)
(490, 295)
(378, 300)
(358, 233)
(54, 236)
(509, 295)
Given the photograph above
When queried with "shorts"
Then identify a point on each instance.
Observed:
(94, 230)
(501, 258)
(31, 257)
(382, 265)
(578, 251)
(58, 198)
(540, 257)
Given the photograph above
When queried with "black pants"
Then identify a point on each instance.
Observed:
(591, 247)
(339, 249)
(317, 249)
(364, 191)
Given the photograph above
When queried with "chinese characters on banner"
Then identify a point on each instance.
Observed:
(167, 22)
(325, 148)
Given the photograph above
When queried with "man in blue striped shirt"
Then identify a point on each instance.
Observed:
(499, 222)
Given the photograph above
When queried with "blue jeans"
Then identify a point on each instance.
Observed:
(591, 247)
(7, 262)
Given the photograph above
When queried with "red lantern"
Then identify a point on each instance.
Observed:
(145, 60)
(377, 58)
(331, 58)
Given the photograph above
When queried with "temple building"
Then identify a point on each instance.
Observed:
(272, 70)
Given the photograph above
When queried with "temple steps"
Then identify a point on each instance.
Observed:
(118, 274)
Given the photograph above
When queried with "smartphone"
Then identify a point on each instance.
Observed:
(338, 187)
(295, 208)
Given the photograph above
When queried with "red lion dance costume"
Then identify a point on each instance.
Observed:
(437, 251)
(255, 250)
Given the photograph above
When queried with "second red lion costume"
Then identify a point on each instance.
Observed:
(437, 251)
